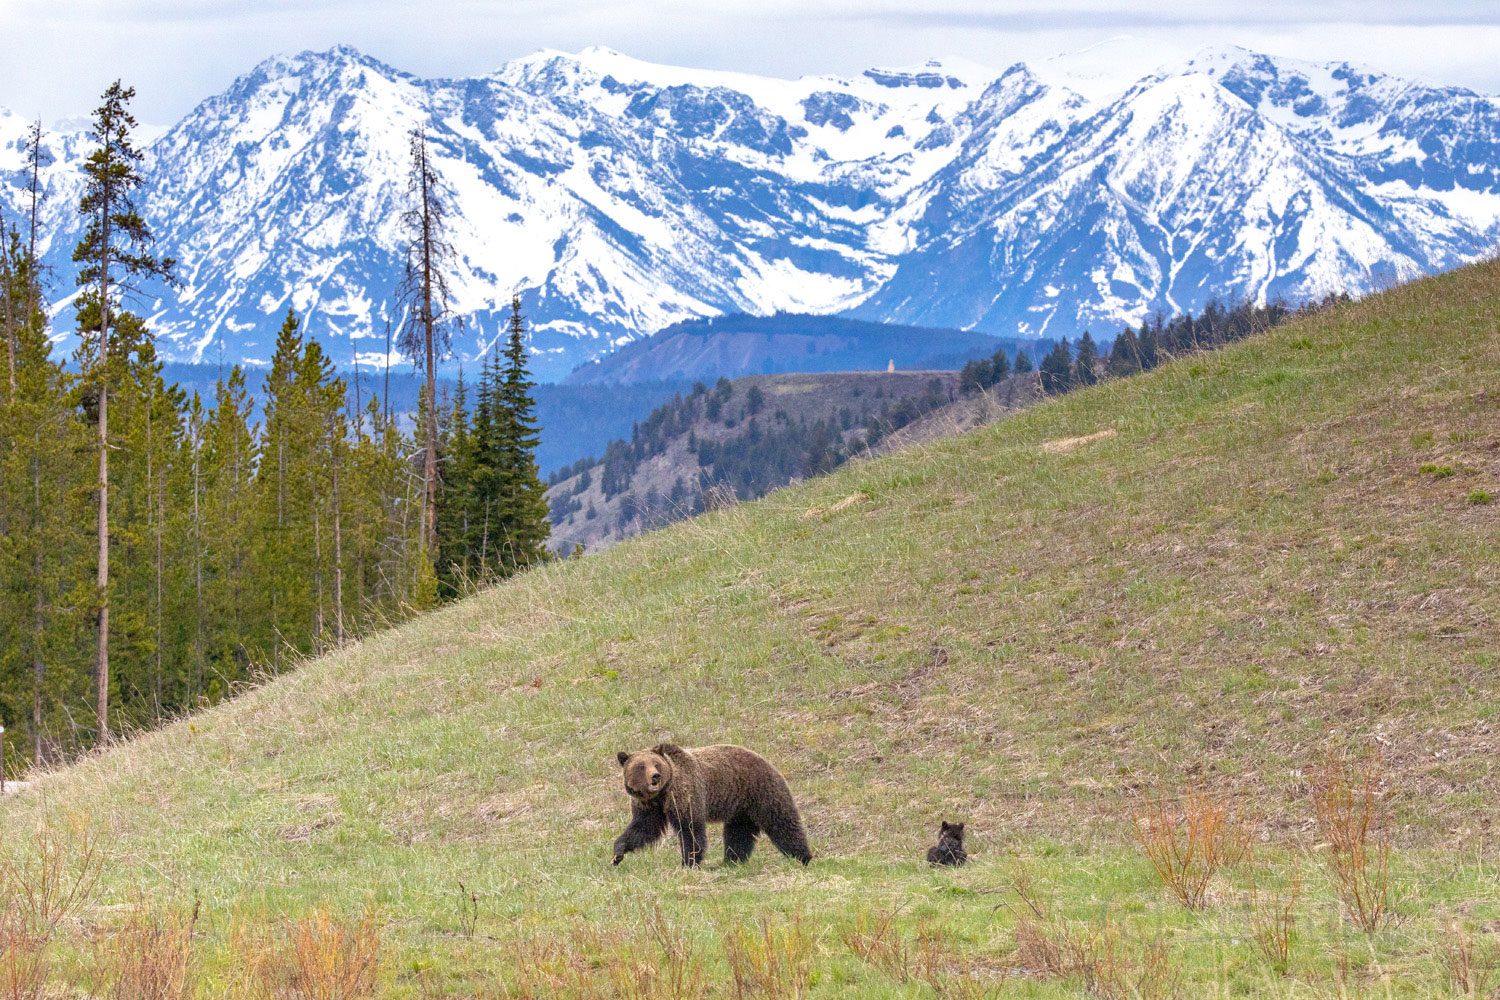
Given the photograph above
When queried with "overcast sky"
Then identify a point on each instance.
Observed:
(57, 55)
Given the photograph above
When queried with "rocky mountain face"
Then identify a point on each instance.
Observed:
(620, 197)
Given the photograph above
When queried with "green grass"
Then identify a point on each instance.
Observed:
(1249, 570)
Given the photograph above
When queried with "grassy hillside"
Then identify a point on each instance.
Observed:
(1217, 569)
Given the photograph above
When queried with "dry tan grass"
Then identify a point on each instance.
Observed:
(149, 955)
(1070, 443)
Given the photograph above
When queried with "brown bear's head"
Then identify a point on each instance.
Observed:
(647, 773)
(954, 831)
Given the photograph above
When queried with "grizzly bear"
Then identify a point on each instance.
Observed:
(949, 849)
(690, 788)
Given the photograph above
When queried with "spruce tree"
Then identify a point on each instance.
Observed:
(1124, 355)
(455, 472)
(114, 252)
(42, 555)
(1056, 368)
(1085, 371)
(1023, 363)
(523, 517)
(999, 366)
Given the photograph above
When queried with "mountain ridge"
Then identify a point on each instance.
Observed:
(620, 197)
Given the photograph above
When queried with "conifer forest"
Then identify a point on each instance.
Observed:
(160, 550)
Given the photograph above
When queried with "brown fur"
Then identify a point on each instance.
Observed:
(688, 789)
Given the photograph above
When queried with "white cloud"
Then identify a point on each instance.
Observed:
(60, 54)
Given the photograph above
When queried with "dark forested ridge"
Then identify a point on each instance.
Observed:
(738, 345)
(733, 440)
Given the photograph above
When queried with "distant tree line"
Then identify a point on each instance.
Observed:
(158, 549)
(1157, 340)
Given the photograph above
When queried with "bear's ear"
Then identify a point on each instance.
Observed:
(666, 749)
(958, 828)
(623, 757)
(945, 827)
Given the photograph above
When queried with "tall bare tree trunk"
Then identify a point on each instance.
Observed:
(197, 570)
(10, 312)
(38, 670)
(153, 514)
(101, 672)
(427, 322)
(338, 552)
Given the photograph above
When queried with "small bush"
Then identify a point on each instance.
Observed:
(659, 964)
(1273, 922)
(329, 958)
(1351, 818)
(149, 956)
(42, 884)
(771, 958)
(1039, 950)
(1480, 497)
(1114, 965)
(1190, 839)
(1111, 962)
(873, 937)
(24, 956)
(1473, 968)
(53, 877)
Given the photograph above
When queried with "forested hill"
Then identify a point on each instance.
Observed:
(740, 439)
(732, 346)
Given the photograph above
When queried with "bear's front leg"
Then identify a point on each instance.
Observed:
(646, 827)
(694, 840)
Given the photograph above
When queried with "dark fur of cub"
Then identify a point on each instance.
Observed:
(686, 789)
(949, 850)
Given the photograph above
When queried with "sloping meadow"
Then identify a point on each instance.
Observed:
(1206, 659)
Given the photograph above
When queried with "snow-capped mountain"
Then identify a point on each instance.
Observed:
(619, 196)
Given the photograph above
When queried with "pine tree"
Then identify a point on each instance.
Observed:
(1124, 355)
(114, 251)
(1085, 371)
(999, 366)
(456, 472)
(1023, 363)
(1148, 343)
(523, 509)
(228, 524)
(1057, 368)
(40, 550)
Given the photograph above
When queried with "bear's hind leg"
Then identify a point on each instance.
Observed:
(739, 839)
(790, 839)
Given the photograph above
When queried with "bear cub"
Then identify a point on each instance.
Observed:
(687, 789)
(949, 849)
